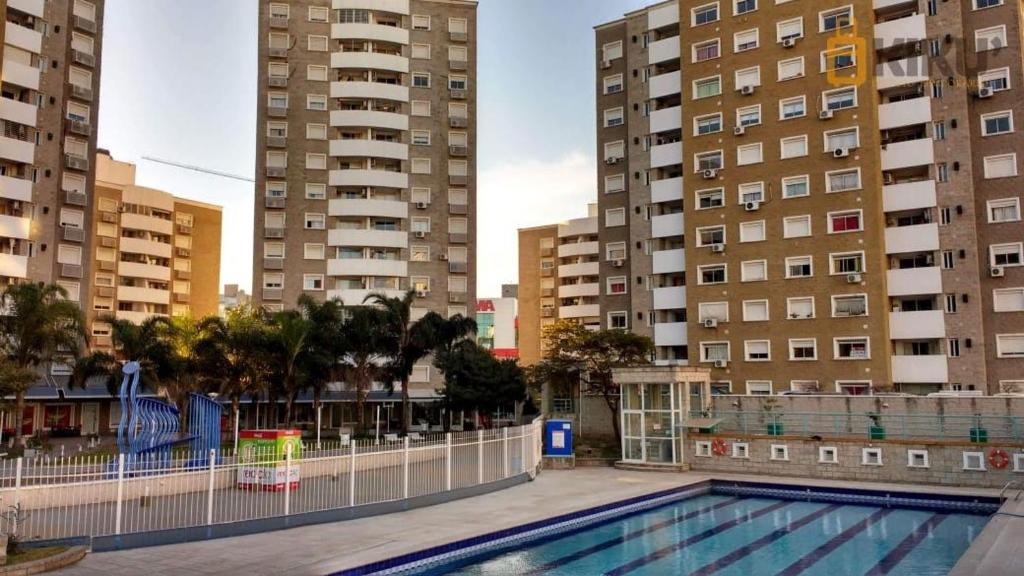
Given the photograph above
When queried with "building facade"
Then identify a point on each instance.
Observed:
(366, 161)
(497, 326)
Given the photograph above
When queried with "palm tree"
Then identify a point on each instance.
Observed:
(40, 325)
(291, 335)
(325, 345)
(409, 342)
(144, 343)
(366, 340)
(183, 336)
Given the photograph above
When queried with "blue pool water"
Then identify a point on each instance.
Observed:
(725, 535)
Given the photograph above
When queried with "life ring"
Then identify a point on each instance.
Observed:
(719, 447)
(999, 459)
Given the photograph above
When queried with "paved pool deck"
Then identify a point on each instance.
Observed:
(327, 548)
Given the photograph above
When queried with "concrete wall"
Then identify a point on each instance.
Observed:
(857, 405)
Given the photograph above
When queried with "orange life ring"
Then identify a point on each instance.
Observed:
(999, 459)
(719, 447)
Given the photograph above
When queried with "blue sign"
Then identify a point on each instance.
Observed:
(558, 438)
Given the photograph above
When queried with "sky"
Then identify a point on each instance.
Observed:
(182, 88)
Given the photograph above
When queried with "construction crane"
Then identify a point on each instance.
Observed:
(199, 169)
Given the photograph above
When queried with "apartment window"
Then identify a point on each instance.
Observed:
(708, 161)
(953, 347)
(704, 14)
(421, 51)
(799, 267)
(613, 117)
(707, 50)
(458, 54)
(420, 22)
(707, 124)
(420, 224)
(800, 308)
(713, 311)
(1002, 166)
(616, 183)
(707, 199)
(942, 172)
(421, 137)
(796, 187)
(458, 25)
(796, 226)
(779, 452)
(613, 84)
(842, 139)
(847, 263)
(980, 4)
(792, 108)
(838, 59)
(714, 351)
(313, 282)
(755, 311)
(707, 87)
(458, 82)
(830, 20)
(1006, 254)
(316, 161)
(803, 349)
(1004, 210)
(871, 457)
(997, 123)
(791, 68)
(790, 29)
(840, 99)
(319, 14)
(315, 221)
(710, 236)
(746, 40)
(751, 192)
(315, 73)
(749, 115)
(757, 350)
(995, 80)
(420, 80)
(316, 102)
(615, 251)
(793, 147)
(749, 154)
(754, 271)
(1008, 300)
(744, 6)
(313, 251)
(713, 274)
(420, 165)
(939, 130)
(273, 281)
(752, 231)
(849, 305)
(350, 16)
(990, 38)
(614, 150)
(1010, 345)
(612, 51)
(316, 191)
(842, 180)
(618, 321)
(741, 450)
(847, 221)
(858, 348)
(316, 43)
(616, 285)
(420, 108)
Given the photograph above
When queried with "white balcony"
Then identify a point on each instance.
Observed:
(670, 298)
(19, 112)
(371, 238)
(392, 6)
(663, 16)
(920, 369)
(374, 32)
(368, 208)
(670, 334)
(669, 261)
(578, 227)
(148, 271)
(907, 30)
(12, 266)
(666, 119)
(370, 61)
(663, 50)
(668, 190)
(15, 189)
(902, 72)
(369, 178)
(361, 90)
(369, 149)
(369, 119)
(134, 317)
(367, 267)
(904, 239)
(149, 223)
(666, 155)
(664, 85)
(581, 269)
(578, 249)
(926, 325)
(579, 290)
(34, 7)
(21, 75)
(15, 227)
(357, 297)
(147, 295)
(908, 154)
(581, 311)
(883, 4)
(914, 281)
(667, 225)
(909, 196)
(147, 247)
(17, 150)
(905, 113)
(24, 38)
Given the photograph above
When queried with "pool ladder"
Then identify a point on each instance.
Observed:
(1019, 485)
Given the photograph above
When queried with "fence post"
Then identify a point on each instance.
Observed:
(405, 470)
(120, 493)
(504, 452)
(522, 448)
(17, 494)
(209, 496)
(287, 478)
(480, 456)
(352, 473)
(448, 462)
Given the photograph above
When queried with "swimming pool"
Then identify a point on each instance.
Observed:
(740, 532)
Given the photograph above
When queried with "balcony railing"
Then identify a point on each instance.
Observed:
(458, 122)
(273, 263)
(106, 265)
(458, 64)
(458, 267)
(277, 142)
(458, 150)
(455, 180)
(81, 92)
(458, 238)
(108, 242)
(75, 162)
(458, 297)
(76, 198)
(458, 209)
(71, 270)
(272, 293)
(277, 81)
(105, 291)
(277, 52)
(273, 232)
(277, 111)
(275, 202)
(184, 229)
(459, 94)
(85, 24)
(458, 36)
(279, 22)
(79, 127)
(181, 298)
(83, 58)
(276, 171)
(108, 217)
(183, 274)
(74, 234)
(182, 253)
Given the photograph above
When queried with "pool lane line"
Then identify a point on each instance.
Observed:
(897, 554)
(714, 531)
(812, 557)
(748, 549)
(580, 554)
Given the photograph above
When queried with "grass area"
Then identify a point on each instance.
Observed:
(29, 554)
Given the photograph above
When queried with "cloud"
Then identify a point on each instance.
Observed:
(531, 193)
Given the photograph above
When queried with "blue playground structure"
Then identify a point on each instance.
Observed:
(149, 430)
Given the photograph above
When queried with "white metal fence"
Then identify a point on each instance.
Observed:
(104, 496)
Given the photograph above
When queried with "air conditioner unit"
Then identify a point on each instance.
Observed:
(718, 248)
(421, 234)
(422, 205)
(789, 42)
(841, 153)
(442, 257)
(739, 130)
(711, 322)
(611, 161)
(618, 263)
(752, 206)
(747, 90)
(826, 115)
(985, 92)
(721, 363)
(606, 64)
(997, 271)
(710, 174)
(854, 278)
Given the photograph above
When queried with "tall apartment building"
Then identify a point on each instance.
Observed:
(49, 104)
(155, 254)
(366, 164)
(848, 172)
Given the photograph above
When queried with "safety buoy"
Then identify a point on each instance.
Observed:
(999, 459)
(719, 447)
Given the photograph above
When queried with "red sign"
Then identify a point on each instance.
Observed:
(485, 305)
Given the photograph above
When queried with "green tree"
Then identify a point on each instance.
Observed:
(325, 345)
(291, 333)
(40, 326)
(476, 380)
(366, 338)
(144, 343)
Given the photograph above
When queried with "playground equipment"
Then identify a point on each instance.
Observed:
(148, 431)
